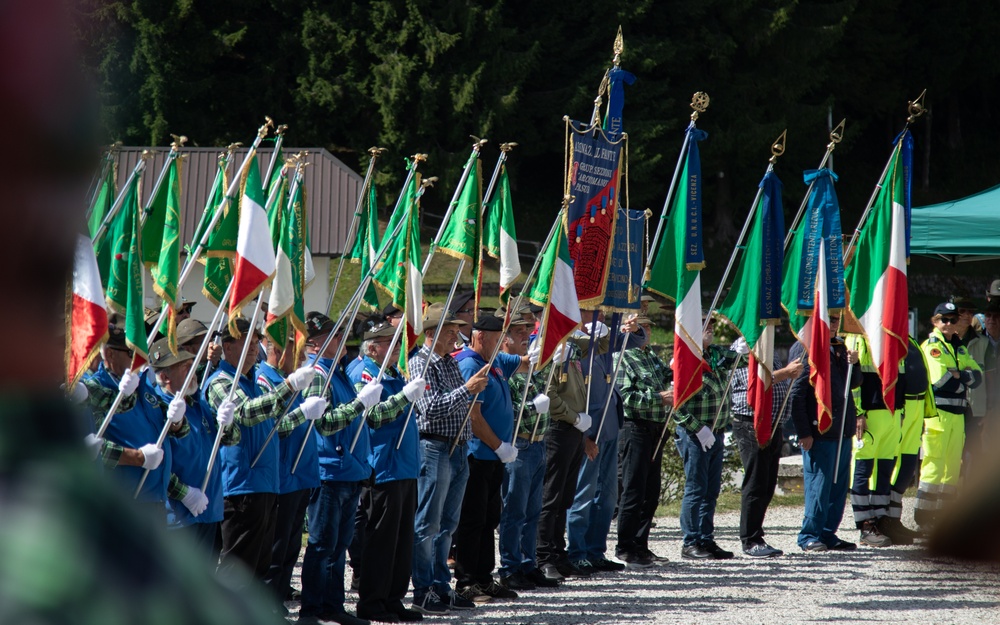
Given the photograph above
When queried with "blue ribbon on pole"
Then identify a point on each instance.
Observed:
(694, 252)
(772, 248)
(822, 222)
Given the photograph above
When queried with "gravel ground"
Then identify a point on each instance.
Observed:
(893, 585)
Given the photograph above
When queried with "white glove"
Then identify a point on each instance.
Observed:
(313, 407)
(301, 377)
(152, 456)
(78, 395)
(506, 452)
(705, 437)
(602, 330)
(224, 415)
(534, 351)
(740, 346)
(176, 410)
(414, 389)
(93, 445)
(129, 383)
(370, 394)
(559, 355)
(195, 501)
(583, 422)
(541, 403)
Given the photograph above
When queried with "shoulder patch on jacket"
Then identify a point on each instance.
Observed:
(935, 352)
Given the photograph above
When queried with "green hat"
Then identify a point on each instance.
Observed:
(160, 356)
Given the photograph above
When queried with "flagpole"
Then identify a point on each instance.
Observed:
(352, 231)
(107, 163)
(614, 378)
(843, 419)
(223, 160)
(699, 102)
(175, 148)
(548, 387)
(279, 133)
(836, 135)
(378, 379)
(725, 394)
(139, 167)
(192, 373)
(777, 149)
(353, 302)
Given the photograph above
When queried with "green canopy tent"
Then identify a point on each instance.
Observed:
(959, 231)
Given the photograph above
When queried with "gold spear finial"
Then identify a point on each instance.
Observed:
(477, 143)
(916, 107)
(280, 130)
(263, 130)
(147, 154)
(179, 141)
(507, 147)
(778, 147)
(699, 102)
(837, 135)
(619, 46)
(419, 158)
(426, 183)
(377, 152)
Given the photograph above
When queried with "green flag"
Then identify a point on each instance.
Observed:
(277, 197)
(286, 306)
(365, 245)
(124, 291)
(103, 201)
(221, 246)
(462, 236)
(276, 174)
(166, 272)
(500, 236)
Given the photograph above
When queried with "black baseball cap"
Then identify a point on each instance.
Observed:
(318, 324)
(945, 308)
(489, 323)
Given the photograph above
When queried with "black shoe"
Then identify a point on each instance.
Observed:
(517, 581)
(871, 536)
(815, 545)
(718, 553)
(536, 577)
(552, 572)
(381, 617)
(636, 561)
(898, 533)
(408, 616)
(607, 565)
(585, 567)
(843, 545)
(497, 591)
(762, 550)
(654, 558)
(568, 569)
(695, 552)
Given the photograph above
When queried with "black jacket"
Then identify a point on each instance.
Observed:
(803, 398)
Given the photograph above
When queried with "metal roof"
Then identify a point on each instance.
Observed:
(332, 188)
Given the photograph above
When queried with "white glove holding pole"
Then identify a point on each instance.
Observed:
(93, 445)
(414, 389)
(705, 437)
(506, 452)
(301, 377)
(583, 422)
(541, 403)
(313, 407)
(176, 410)
(740, 346)
(601, 332)
(559, 355)
(534, 351)
(370, 394)
(195, 501)
(224, 415)
(152, 456)
(128, 383)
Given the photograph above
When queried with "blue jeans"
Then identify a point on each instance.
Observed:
(331, 528)
(702, 482)
(521, 491)
(589, 518)
(825, 501)
(440, 490)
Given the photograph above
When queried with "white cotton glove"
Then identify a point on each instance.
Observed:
(559, 355)
(740, 346)
(370, 394)
(195, 501)
(78, 395)
(602, 330)
(506, 452)
(93, 445)
(705, 437)
(224, 415)
(129, 383)
(414, 389)
(313, 407)
(152, 456)
(541, 403)
(176, 410)
(301, 377)
(583, 422)
(534, 351)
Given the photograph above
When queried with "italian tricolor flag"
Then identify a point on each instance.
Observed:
(255, 259)
(501, 237)
(819, 347)
(86, 315)
(876, 275)
(555, 289)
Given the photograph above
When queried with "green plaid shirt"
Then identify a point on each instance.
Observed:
(337, 416)
(641, 378)
(517, 383)
(250, 412)
(387, 410)
(702, 408)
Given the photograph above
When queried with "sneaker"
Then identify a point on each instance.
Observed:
(517, 581)
(718, 553)
(872, 536)
(540, 580)
(898, 533)
(568, 569)
(814, 545)
(695, 552)
(607, 565)
(430, 603)
(496, 591)
(585, 567)
(762, 550)
(843, 545)
(456, 601)
(551, 572)
(635, 562)
(656, 559)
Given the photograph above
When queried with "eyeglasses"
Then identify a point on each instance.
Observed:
(464, 310)
(949, 320)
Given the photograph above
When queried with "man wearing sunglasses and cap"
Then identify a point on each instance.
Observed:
(952, 373)
(985, 399)
(251, 492)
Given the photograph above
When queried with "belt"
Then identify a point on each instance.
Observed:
(743, 418)
(528, 438)
(441, 438)
(915, 396)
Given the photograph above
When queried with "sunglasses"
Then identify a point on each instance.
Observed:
(949, 320)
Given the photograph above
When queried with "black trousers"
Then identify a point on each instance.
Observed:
(640, 494)
(563, 453)
(760, 478)
(474, 537)
(248, 533)
(388, 549)
(287, 541)
(357, 548)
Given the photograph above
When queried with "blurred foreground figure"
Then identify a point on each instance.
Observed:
(72, 548)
